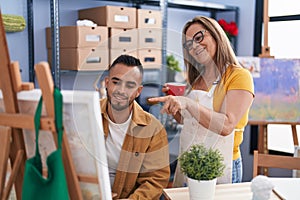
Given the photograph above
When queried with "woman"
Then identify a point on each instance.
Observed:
(219, 95)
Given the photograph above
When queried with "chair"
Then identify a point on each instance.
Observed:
(274, 161)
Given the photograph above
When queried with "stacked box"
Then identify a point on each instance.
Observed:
(121, 22)
(136, 32)
(149, 23)
(88, 59)
(149, 18)
(81, 47)
(122, 41)
(149, 29)
(150, 58)
(123, 38)
(114, 53)
(80, 36)
(150, 38)
(110, 16)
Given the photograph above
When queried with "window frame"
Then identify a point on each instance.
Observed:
(259, 8)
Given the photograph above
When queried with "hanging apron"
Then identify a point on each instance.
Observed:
(194, 133)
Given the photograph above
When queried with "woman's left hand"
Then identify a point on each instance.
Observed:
(172, 104)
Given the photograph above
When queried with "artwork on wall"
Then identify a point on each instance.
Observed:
(83, 126)
(277, 89)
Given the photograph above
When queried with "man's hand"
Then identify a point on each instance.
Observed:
(115, 194)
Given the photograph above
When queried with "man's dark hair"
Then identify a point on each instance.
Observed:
(129, 61)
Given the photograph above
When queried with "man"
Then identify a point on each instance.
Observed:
(136, 142)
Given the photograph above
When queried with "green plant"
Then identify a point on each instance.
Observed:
(172, 63)
(201, 163)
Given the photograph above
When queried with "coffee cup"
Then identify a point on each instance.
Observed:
(176, 89)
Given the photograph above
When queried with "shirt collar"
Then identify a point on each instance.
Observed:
(139, 116)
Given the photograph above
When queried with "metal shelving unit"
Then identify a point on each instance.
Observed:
(30, 40)
(55, 70)
(212, 8)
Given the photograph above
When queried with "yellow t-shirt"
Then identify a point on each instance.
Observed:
(236, 78)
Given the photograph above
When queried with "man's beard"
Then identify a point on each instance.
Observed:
(118, 106)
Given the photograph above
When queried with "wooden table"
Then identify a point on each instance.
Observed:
(285, 187)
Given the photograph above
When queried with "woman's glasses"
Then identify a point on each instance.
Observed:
(197, 38)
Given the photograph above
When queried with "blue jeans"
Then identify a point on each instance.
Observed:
(237, 170)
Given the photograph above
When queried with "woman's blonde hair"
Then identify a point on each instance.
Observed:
(224, 53)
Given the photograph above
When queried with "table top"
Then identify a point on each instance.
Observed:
(286, 188)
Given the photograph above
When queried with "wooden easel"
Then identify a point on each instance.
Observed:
(262, 145)
(265, 50)
(12, 122)
(263, 131)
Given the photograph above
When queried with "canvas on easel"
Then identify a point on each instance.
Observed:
(83, 126)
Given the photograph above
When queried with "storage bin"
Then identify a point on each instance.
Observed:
(123, 38)
(90, 59)
(150, 58)
(114, 53)
(80, 36)
(149, 18)
(149, 38)
(110, 16)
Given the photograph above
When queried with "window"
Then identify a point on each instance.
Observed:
(284, 39)
(290, 7)
(284, 28)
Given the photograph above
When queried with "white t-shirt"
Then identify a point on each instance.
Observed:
(113, 144)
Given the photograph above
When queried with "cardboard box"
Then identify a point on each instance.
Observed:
(123, 38)
(150, 58)
(149, 18)
(80, 36)
(150, 38)
(110, 16)
(114, 53)
(90, 59)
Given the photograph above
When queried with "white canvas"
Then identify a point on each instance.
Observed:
(83, 126)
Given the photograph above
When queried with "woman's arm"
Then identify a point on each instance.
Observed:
(235, 105)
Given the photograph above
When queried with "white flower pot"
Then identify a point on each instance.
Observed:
(202, 190)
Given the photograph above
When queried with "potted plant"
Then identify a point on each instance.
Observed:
(173, 67)
(202, 166)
